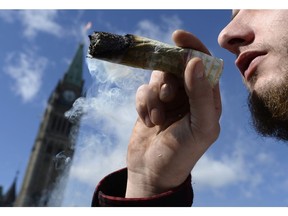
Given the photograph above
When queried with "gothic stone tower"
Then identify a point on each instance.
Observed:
(53, 138)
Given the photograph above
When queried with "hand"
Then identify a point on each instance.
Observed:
(178, 121)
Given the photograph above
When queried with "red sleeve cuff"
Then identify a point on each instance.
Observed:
(110, 192)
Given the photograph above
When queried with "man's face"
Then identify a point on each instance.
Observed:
(259, 39)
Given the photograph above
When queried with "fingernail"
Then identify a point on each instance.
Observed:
(199, 69)
(157, 116)
(148, 122)
(165, 92)
(154, 115)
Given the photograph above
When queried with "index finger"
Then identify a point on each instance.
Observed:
(167, 85)
(188, 40)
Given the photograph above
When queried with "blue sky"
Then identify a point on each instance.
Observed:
(240, 169)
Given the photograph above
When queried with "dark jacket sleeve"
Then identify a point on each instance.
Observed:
(110, 192)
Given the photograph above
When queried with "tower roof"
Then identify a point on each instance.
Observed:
(10, 195)
(75, 70)
(9, 198)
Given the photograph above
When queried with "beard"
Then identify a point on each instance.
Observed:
(269, 104)
(269, 110)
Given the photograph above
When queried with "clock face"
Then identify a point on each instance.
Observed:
(69, 95)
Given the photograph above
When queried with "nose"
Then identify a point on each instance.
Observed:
(235, 35)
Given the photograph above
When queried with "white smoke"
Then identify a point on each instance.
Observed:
(108, 117)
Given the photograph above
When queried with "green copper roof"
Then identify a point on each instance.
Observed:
(74, 72)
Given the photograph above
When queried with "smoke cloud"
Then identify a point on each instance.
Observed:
(108, 115)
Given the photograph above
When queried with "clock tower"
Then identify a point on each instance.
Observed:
(56, 136)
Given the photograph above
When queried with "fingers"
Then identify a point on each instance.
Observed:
(148, 105)
(217, 99)
(166, 84)
(188, 40)
(205, 103)
(151, 98)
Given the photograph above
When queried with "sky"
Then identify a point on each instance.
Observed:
(240, 169)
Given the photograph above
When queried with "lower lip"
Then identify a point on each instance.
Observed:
(253, 66)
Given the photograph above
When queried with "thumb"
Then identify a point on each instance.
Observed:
(200, 93)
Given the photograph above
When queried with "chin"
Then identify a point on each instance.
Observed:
(268, 105)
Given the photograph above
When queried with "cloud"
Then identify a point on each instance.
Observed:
(26, 70)
(242, 167)
(34, 21)
(162, 32)
(214, 173)
(229, 170)
(7, 15)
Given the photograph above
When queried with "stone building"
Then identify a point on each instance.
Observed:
(53, 139)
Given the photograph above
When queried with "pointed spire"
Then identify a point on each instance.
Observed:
(75, 70)
(10, 196)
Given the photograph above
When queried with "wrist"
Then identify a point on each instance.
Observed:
(140, 186)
